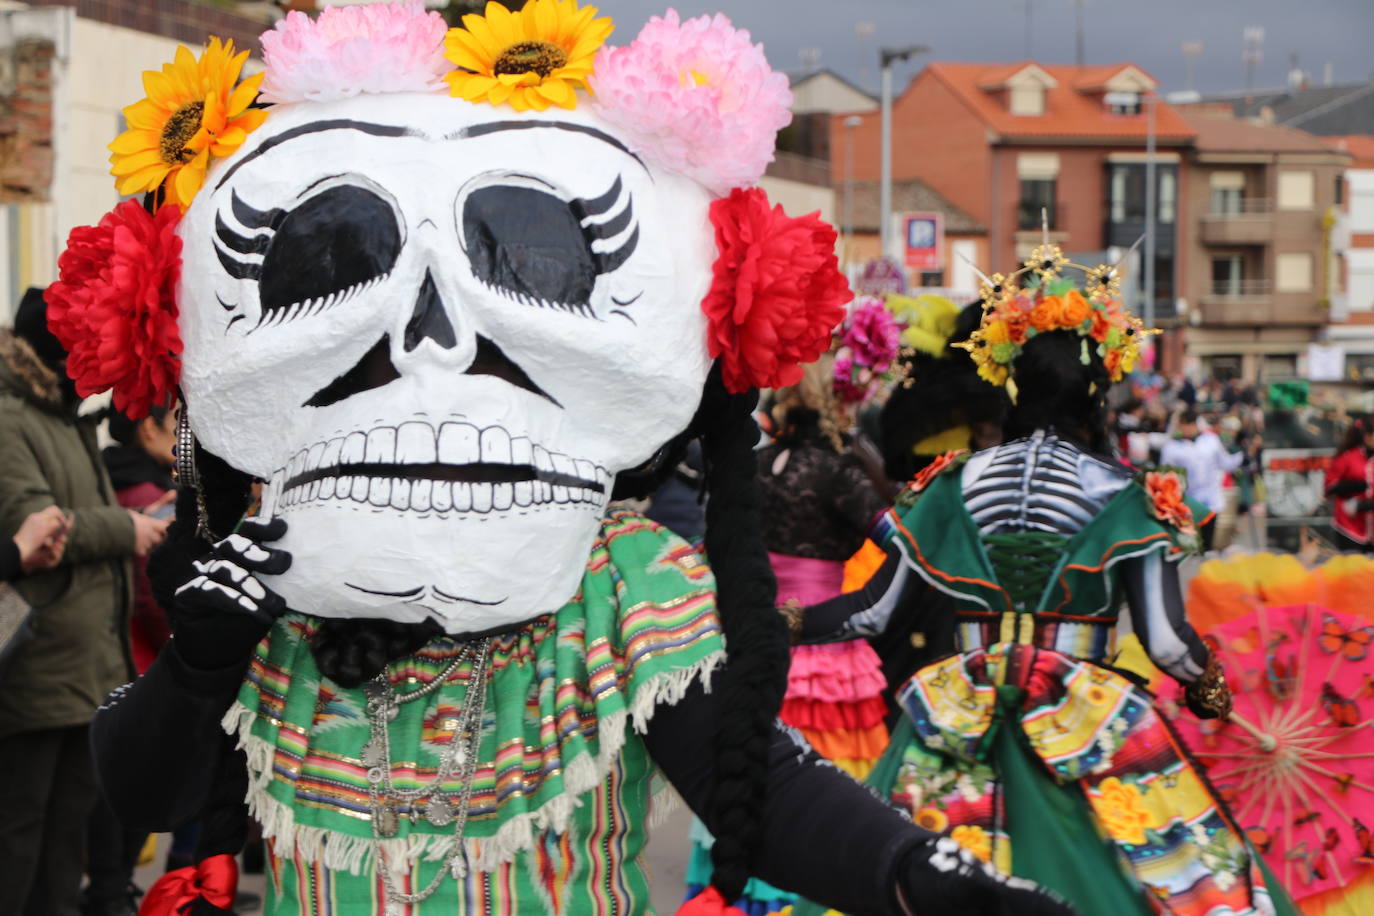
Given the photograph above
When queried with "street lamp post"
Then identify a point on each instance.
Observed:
(886, 57)
(1151, 101)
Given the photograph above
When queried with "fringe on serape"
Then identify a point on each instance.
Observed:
(343, 852)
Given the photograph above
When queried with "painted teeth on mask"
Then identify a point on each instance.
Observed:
(453, 444)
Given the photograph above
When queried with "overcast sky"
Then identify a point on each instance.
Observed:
(1149, 33)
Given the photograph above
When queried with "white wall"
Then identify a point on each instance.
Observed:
(97, 71)
(1359, 184)
(798, 199)
(105, 75)
(1359, 289)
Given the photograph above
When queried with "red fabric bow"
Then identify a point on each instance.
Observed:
(777, 293)
(216, 879)
(708, 903)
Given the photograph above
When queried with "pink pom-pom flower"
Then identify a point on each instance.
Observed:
(348, 50)
(695, 97)
(872, 334)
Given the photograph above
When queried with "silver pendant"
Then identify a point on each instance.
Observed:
(392, 711)
(373, 754)
(439, 811)
(375, 775)
(385, 821)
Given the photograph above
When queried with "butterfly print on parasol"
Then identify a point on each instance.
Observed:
(1295, 760)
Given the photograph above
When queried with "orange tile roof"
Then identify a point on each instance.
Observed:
(1072, 110)
(1361, 146)
(1229, 134)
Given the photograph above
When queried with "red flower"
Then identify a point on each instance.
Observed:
(114, 308)
(935, 469)
(777, 293)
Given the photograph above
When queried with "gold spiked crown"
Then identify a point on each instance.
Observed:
(1038, 298)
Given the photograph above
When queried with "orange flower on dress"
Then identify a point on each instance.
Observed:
(1166, 492)
(934, 469)
(975, 840)
(1121, 808)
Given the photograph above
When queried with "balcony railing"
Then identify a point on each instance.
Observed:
(1245, 207)
(1239, 289)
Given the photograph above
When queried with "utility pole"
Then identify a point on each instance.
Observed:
(1078, 35)
(886, 57)
(1152, 101)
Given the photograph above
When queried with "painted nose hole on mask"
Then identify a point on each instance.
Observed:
(490, 360)
(429, 321)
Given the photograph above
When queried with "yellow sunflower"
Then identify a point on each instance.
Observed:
(532, 59)
(193, 111)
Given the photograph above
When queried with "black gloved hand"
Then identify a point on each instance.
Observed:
(224, 612)
(941, 878)
(1347, 488)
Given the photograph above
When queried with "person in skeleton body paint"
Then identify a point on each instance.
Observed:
(446, 331)
(1026, 743)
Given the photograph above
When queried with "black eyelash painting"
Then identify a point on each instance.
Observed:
(541, 249)
(322, 253)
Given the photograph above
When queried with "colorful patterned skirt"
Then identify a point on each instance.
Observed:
(1061, 771)
(834, 698)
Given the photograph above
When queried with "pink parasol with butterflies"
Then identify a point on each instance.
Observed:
(1295, 760)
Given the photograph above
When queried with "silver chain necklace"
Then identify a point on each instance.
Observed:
(460, 758)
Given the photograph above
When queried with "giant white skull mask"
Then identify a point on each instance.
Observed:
(438, 331)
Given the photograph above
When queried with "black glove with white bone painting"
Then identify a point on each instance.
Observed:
(221, 614)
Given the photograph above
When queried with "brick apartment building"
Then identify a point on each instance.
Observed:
(1004, 142)
(1256, 250)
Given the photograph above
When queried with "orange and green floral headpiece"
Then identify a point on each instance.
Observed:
(1038, 299)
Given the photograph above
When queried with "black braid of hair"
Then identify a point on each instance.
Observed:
(1057, 390)
(754, 678)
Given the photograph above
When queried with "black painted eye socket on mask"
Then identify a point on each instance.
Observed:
(325, 251)
(537, 247)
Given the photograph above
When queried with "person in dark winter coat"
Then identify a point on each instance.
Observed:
(53, 684)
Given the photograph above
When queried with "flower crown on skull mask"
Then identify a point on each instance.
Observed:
(695, 98)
